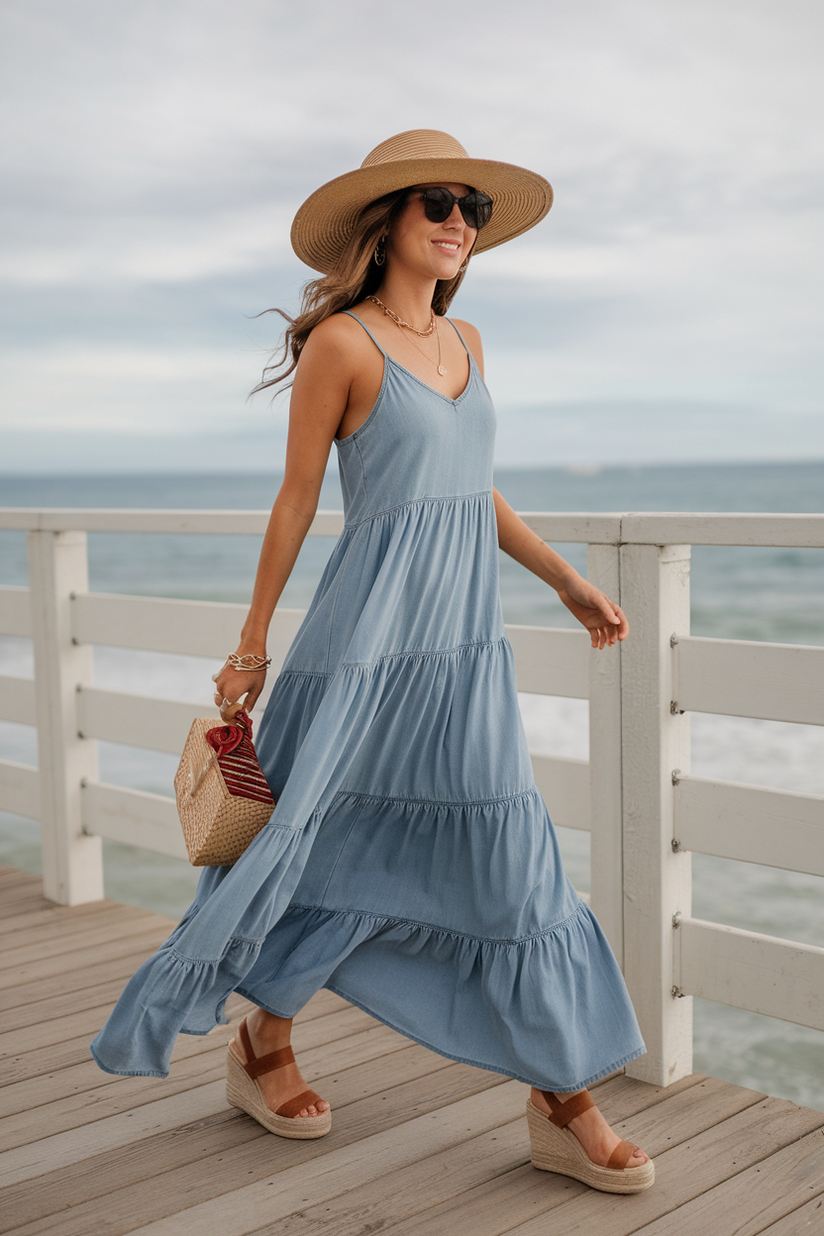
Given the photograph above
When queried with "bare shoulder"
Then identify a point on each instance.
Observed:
(472, 338)
(337, 338)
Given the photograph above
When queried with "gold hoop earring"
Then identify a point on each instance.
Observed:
(380, 252)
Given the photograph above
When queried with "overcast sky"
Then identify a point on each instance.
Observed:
(153, 155)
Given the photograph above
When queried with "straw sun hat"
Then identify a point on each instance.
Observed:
(325, 221)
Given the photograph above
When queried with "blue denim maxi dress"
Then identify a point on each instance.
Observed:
(410, 864)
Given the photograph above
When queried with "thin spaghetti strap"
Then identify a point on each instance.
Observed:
(368, 331)
(458, 333)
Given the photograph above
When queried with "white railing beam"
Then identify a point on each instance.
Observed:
(550, 660)
(723, 528)
(778, 978)
(742, 678)
(657, 879)
(210, 523)
(192, 628)
(564, 784)
(20, 789)
(17, 700)
(777, 828)
(133, 817)
(15, 611)
(72, 862)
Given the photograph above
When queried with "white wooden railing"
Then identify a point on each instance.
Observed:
(646, 814)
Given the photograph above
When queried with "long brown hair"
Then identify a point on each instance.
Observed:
(356, 275)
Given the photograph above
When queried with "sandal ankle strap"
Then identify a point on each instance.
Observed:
(256, 1066)
(562, 1113)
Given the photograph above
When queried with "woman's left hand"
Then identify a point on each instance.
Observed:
(605, 621)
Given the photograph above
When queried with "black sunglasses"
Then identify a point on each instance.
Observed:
(475, 207)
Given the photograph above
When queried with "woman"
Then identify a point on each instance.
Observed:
(410, 864)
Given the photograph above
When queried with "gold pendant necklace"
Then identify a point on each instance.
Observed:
(441, 368)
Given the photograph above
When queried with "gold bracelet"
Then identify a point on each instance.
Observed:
(248, 663)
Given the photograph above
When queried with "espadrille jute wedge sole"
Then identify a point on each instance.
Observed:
(557, 1149)
(243, 1092)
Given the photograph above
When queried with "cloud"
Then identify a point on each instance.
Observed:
(156, 153)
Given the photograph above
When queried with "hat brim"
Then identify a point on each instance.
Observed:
(324, 223)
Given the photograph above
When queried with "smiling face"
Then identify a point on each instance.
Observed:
(433, 250)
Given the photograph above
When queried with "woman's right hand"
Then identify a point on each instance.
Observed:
(231, 685)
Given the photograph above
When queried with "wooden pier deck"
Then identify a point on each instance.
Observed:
(421, 1146)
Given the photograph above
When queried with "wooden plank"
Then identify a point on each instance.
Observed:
(23, 905)
(30, 958)
(209, 523)
(348, 1170)
(778, 978)
(656, 1118)
(59, 1026)
(420, 1186)
(195, 628)
(10, 877)
(72, 1052)
(17, 979)
(37, 1103)
(106, 1118)
(48, 1034)
(777, 682)
(49, 935)
(723, 528)
(22, 892)
(368, 1051)
(20, 789)
(66, 1002)
(17, 699)
(550, 660)
(134, 817)
(564, 784)
(344, 1167)
(694, 1166)
(768, 1191)
(806, 1221)
(15, 611)
(196, 1103)
(39, 1088)
(59, 918)
(211, 1158)
(778, 828)
(86, 1108)
(571, 526)
(119, 967)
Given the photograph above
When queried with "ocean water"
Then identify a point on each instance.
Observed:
(739, 593)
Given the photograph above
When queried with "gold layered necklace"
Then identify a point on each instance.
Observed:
(423, 334)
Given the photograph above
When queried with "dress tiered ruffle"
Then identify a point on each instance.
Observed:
(410, 864)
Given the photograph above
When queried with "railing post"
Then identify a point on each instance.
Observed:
(72, 862)
(606, 829)
(655, 742)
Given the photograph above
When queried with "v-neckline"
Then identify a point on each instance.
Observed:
(391, 360)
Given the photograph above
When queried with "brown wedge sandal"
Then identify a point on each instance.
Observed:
(243, 1092)
(555, 1148)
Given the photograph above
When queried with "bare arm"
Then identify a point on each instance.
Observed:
(604, 620)
(319, 398)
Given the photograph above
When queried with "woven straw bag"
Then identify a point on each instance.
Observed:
(223, 798)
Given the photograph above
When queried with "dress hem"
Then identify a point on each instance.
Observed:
(479, 1064)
